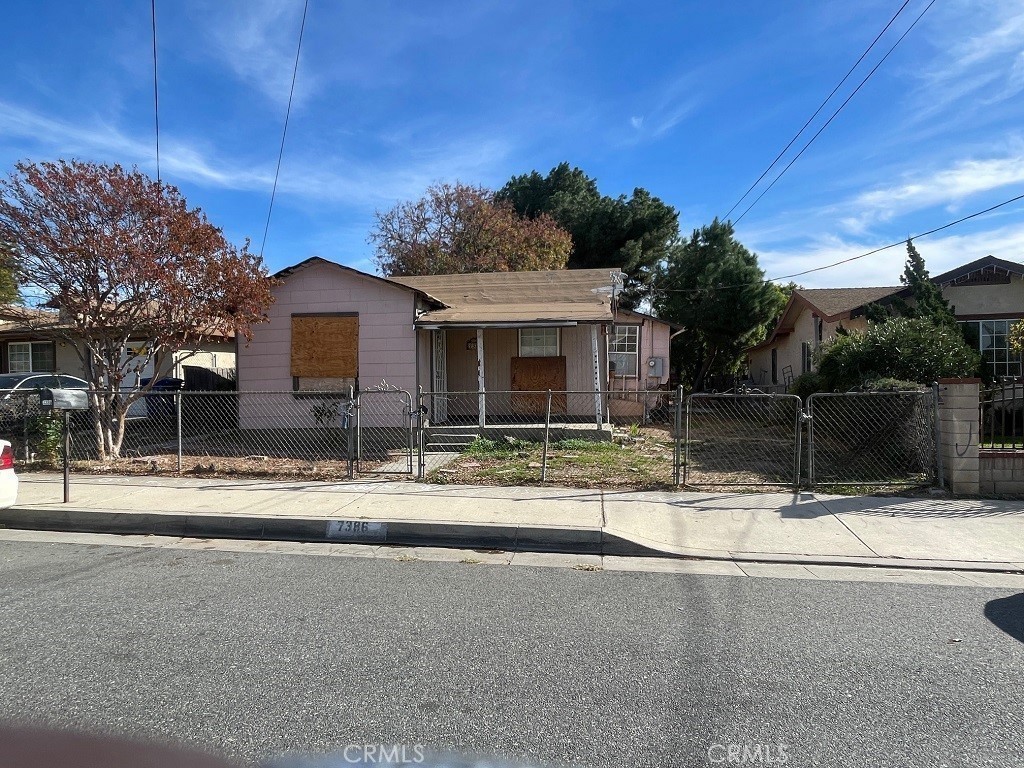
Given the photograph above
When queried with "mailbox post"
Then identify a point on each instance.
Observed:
(64, 401)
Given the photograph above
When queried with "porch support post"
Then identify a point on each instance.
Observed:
(481, 397)
(597, 375)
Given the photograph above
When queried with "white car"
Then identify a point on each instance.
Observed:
(8, 480)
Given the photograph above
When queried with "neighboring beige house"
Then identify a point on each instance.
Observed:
(987, 296)
(25, 349)
(332, 327)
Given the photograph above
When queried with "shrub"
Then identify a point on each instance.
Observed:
(806, 384)
(889, 385)
(910, 350)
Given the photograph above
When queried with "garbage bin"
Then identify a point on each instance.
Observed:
(161, 404)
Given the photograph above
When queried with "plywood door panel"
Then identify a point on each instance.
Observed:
(538, 374)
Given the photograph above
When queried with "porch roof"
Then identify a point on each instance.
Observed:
(516, 298)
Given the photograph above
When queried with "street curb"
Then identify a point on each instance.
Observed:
(511, 538)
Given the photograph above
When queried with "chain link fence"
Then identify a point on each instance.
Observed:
(742, 440)
(571, 438)
(651, 438)
(872, 438)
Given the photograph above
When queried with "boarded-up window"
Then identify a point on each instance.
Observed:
(325, 346)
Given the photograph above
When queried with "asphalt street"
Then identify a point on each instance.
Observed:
(252, 655)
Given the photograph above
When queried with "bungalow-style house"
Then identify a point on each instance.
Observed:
(987, 297)
(27, 347)
(332, 327)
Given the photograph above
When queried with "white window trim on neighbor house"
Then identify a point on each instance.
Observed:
(21, 357)
(537, 342)
(625, 347)
(992, 341)
(806, 357)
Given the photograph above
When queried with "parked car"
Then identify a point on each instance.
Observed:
(8, 479)
(18, 389)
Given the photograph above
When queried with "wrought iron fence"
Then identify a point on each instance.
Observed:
(744, 439)
(872, 438)
(1001, 415)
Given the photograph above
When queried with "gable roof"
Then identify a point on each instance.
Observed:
(549, 296)
(312, 260)
(830, 303)
(986, 264)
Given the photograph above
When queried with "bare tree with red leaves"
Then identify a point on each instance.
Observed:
(124, 260)
(457, 228)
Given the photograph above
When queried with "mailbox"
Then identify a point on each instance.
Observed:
(64, 400)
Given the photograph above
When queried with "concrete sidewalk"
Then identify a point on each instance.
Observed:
(770, 527)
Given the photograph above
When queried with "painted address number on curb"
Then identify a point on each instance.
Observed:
(357, 529)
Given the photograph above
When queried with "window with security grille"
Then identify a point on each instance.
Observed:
(624, 349)
(538, 342)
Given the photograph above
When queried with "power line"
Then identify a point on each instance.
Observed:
(284, 132)
(872, 252)
(818, 110)
(156, 91)
(901, 242)
(836, 113)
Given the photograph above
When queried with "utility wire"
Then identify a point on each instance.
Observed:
(836, 113)
(156, 91)
(821, 106)
(895, 244)
(284, 131)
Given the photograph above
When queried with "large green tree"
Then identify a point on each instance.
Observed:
(925, 302)
(632, 233)
(712, 286)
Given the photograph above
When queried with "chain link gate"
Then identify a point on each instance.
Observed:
(872, 438)
(386, 431)
(743, 439)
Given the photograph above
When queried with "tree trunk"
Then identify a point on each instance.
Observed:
(705, 366)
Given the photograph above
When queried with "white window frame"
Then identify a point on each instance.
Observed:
(634, 352)
(31, 358)
(558, 342)
(806, 357)
(1009, 363)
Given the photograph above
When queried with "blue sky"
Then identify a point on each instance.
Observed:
(689, 100)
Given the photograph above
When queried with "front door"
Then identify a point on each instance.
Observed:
(537, 375)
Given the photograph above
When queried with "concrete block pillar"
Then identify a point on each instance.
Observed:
(959, 433)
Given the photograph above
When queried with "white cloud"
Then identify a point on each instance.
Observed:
(980, 47)
(941, 253)
(328, 179)
(257, 41)
(945, 187)
(637, 122)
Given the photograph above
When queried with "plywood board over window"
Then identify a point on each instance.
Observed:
(325, 346)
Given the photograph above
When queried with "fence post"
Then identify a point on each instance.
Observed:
(24, 425)
(349, 442)
(940, 473)
(421, 411)
(799, 426)
(358, 435)
(676, 470)
(810, 441)
(547, 429)
(178, 396)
